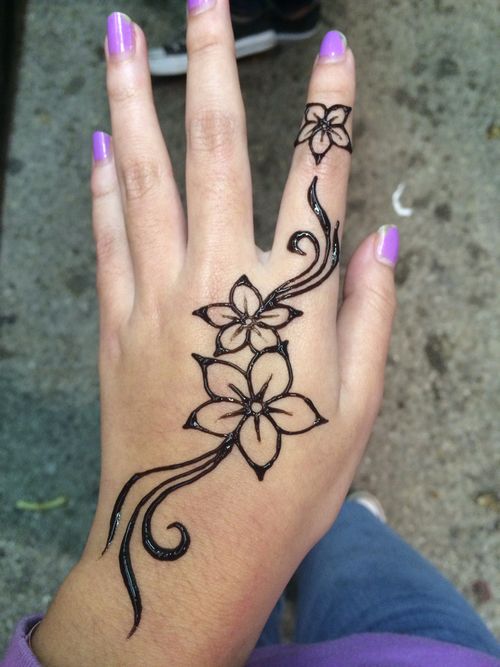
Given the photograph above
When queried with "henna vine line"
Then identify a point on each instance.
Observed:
(250, 408)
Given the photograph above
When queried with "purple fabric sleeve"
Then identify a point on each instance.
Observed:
(372, 650)
(366, 650)
(19, 653)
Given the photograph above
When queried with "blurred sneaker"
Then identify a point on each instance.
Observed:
(369, 502)
(296, 29)
(251, 36)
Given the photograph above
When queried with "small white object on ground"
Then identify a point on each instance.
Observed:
(402, 211)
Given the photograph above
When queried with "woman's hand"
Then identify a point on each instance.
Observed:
(277, 392)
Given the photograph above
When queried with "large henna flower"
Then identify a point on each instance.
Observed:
(256, 406)
(245, 320)
(323, 128)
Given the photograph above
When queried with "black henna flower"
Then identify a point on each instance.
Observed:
(323, 128)
(256, 406)
(245, 320)
(250, 408)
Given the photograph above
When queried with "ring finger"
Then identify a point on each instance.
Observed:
(323, 148)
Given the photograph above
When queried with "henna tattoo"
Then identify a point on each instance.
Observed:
(244, 321)
(249, 407)
(249, 401)
(249, 319)
(324, 127)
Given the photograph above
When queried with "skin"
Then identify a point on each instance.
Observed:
(154, 267)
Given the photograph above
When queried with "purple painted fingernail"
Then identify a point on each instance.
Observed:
(388, 245)
(333, 47)
(120, 35)
(101, 146)
(198, 6)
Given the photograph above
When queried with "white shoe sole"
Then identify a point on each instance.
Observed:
(369, 502)
(161, 64)
(253, 44)
(284, 37)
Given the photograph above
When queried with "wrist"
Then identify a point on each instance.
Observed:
(207, 608)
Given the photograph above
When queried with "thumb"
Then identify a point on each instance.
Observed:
(365, 321)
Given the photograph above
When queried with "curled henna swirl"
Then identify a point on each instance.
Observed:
(192, 470)
(323, 263)
(257, 403)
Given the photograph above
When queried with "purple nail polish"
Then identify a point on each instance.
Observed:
(333, 47)
(388, 245)
(120, 34)
(198, 6)
(101, 146)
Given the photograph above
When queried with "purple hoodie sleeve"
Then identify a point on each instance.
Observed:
(372, 650)
(363, 650)
(19, 653)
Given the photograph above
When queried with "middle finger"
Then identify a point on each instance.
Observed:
(219, 191)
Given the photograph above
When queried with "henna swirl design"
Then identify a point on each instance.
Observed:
(323, 128)
(250, 407)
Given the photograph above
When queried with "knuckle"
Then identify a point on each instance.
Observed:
(212, 131)
(334, 163)
(329, 165)
(105, 245)
(110, 343)
(382, 299)
(200, 42)
(341, 89)
(140, 177)
(341, 93)
(121, 90)
(101, 188)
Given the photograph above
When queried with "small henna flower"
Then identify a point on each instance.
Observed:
(323, 128)
(245, 320)
(256, 406)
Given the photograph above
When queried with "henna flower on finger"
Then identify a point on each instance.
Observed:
(246, 320)
(323, 128)
(256, 406)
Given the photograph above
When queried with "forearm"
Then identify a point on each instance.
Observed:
(181, 629)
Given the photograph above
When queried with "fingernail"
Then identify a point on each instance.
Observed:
(387, 249)
(333, 47)
(120, 35)
(199, 6)
(101, 146)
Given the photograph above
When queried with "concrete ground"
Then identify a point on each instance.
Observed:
(427, 115)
